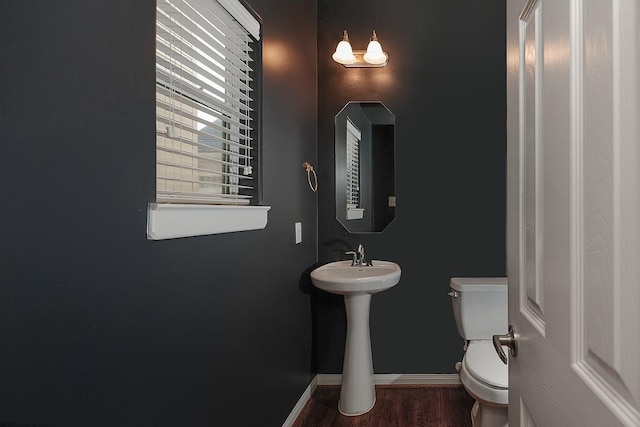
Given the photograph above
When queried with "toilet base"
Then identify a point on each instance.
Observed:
(483, 415)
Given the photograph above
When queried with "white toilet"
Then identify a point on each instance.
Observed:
(480, 310)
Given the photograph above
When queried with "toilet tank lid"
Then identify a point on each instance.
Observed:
(479, 284)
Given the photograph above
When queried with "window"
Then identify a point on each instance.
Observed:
(207, 115)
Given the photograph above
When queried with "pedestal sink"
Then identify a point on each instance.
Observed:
(357, 283)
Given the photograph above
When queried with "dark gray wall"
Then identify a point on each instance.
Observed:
(98, 326)
(445, 83)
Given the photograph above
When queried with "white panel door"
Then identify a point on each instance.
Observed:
(573, 211)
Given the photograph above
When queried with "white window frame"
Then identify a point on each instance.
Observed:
(175, 220)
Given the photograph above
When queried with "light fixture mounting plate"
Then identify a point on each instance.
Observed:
(361, 63)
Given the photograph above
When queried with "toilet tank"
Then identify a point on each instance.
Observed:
(479, 306)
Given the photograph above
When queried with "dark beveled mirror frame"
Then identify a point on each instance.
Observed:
(373, 190)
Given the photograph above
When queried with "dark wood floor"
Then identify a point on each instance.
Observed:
(401, 406)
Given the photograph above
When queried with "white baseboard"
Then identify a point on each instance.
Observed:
(401, 379)
(301, 402)
(380, 379)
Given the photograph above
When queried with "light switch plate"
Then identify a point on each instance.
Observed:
(298, 232)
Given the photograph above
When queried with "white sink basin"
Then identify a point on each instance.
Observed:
(340, 277)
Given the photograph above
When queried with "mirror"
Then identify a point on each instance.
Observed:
(365, 167)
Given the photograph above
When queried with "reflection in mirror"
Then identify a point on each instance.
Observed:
(365, 167)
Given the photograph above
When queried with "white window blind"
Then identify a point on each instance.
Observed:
(204, 102)
(353, 165)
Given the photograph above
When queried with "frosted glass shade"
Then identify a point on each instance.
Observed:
(344, 53)
(374, 54)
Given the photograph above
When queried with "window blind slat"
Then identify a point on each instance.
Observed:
(223, 21)
(190, 170)
(234, 34)
(202, 121)
(200, 44)
(219, 110)
(204, 141)
(200, 68)
(353, 165)
(194, 169)
(167, 44)
(217, 87)
(229, 110)
(217, 36)
(165, 197)
(242, 16)
(193, 155)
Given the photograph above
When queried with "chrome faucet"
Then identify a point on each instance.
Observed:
(358, 257)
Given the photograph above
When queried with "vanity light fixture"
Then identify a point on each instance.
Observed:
(374, 56)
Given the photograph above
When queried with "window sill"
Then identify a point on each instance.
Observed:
(169, 221)
(355, 213)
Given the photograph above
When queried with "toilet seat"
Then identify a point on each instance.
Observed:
(484, 375)
(485, 365)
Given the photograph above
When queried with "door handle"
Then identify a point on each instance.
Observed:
(508, 340)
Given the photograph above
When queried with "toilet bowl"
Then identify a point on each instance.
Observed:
(480, 310)
(486, 379)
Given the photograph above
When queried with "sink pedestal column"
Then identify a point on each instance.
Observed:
(358, 392)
